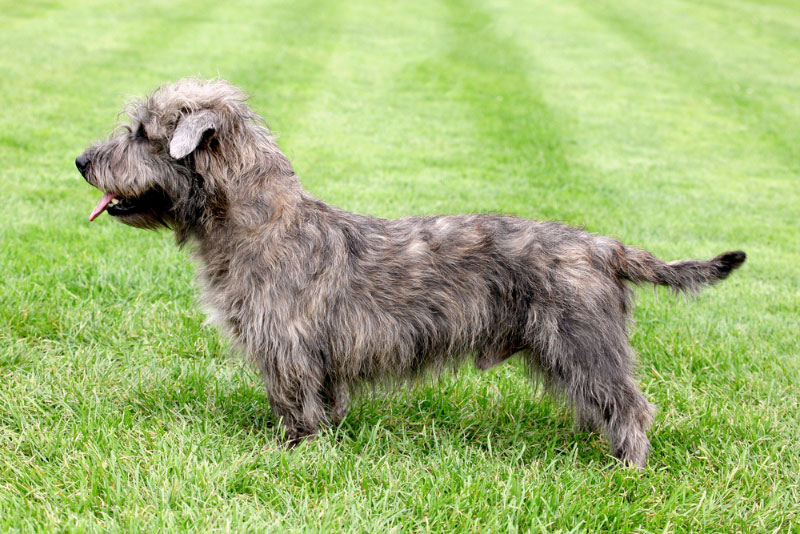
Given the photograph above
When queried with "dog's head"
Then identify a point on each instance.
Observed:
(168, 164)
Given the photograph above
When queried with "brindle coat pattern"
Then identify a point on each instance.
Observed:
(323, 300)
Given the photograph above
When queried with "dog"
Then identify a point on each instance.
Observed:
(324, 301)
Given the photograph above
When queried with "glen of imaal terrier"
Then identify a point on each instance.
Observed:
(324, 300)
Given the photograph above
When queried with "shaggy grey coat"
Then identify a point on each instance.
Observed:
(323, 300)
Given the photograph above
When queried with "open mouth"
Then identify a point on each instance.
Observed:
(102, 205)
(152, 202)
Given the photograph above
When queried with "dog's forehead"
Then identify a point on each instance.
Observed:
(161, 110)
(138, 112)
(191, 94)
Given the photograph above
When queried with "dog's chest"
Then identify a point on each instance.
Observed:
(247, 302)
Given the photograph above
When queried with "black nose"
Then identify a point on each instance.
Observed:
(82, 162)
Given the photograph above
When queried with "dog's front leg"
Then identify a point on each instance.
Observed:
(295, 383)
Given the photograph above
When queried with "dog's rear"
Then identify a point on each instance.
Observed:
(586, 352)
(576, 330)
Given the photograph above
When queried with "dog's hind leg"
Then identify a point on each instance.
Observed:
(593, 369)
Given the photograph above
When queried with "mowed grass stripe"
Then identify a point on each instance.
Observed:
(711, 75)
(630, 133)
(376, 136)
(520, 138)
(451, 100)
(772, 24)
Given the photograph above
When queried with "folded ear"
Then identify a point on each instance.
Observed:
(190, 131)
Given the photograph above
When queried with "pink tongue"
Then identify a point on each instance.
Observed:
(101, 206)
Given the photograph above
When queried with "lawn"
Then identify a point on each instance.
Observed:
(673, 125)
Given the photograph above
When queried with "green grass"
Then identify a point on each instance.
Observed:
(671, 125)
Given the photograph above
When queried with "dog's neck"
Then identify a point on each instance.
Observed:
(265, 200)
(245, 188)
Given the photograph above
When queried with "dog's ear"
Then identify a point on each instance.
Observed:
(190, 131)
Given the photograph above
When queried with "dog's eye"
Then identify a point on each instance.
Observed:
(141, 133)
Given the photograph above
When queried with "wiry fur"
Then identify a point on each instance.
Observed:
(323, 300)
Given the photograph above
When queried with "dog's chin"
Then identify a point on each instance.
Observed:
(149, 210)
(148, 220)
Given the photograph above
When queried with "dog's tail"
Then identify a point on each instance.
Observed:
(637, 265)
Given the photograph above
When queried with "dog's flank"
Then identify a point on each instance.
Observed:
(323, 300)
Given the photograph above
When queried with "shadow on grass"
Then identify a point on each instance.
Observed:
(427, 420)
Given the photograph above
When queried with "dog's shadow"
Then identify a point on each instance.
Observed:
(452, 414)
(435, 423)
